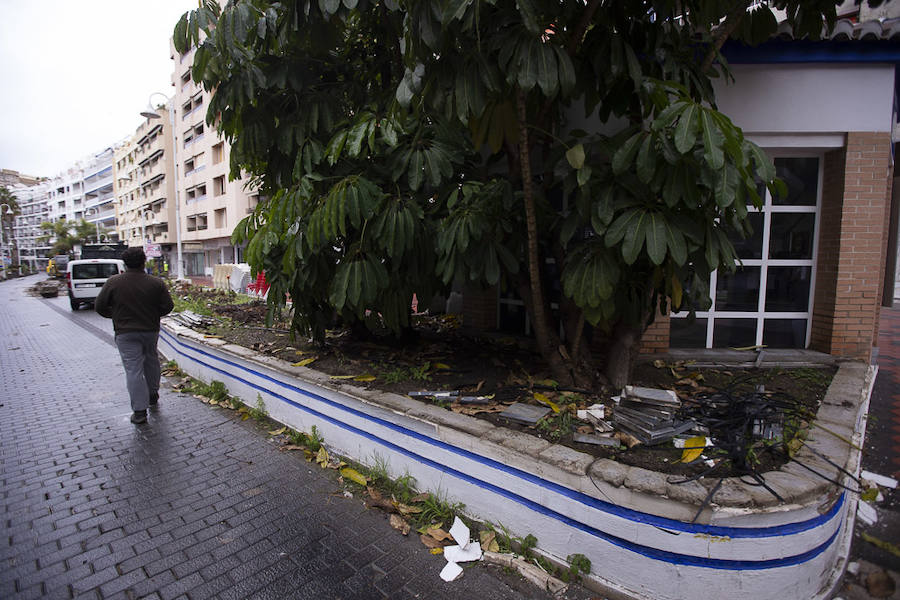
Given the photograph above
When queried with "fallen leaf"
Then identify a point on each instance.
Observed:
(304, 362)
(420, 497)
(365, 377)
(289, 447)
(693, 448)
(354, 476)
(548, 383)
(441, 366)
(430, 542)
(687, 381)
(215, 337)
(585, 429)
(489, 541)
(322, 457)
(437, 550)
(659, 364)
(438, 534)
(278, 431)
(626, 438)
(869, 495)
(545, 400)
(399, 524)
(343, 376)
(245, 416)
(479, 386)
(408, 510)
(376, 500)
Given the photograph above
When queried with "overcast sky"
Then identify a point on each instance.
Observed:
(74, 76)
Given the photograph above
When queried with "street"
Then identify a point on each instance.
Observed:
(95, 507)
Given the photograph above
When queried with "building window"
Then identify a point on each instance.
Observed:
(768, 299)
(220, 218)
(218, 153)
(219, 185)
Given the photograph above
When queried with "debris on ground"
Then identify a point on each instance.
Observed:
(879, 480)
(465, 550)
(527, 414)
(880, 584)
(650, 415)
(529, 571)
(191, 319)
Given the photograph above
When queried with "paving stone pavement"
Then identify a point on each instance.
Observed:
(195, 504)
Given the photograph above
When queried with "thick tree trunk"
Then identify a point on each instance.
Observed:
(623, 352)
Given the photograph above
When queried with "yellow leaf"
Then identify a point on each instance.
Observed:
(343, 376)
(278, 431)
(441, 366)
(693, 448)
(548, 383)
(245, 416)
(406, 510)
(489, 541)
(437, 550)
(322, 457)
(365, 377)
(304, 362)
(354, 476)
(545, 400)
(215, 337)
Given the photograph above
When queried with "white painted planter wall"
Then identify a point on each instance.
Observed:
(640, 545)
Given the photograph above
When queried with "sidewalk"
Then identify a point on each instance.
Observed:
(195, 504)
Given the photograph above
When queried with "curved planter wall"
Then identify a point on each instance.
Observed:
(632, 524)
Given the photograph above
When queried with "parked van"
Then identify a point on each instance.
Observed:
(84, 278)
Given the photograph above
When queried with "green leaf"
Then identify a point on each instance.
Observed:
(634, 237)
(624, 156)
(656, 238)
(646, 160)
(583, 175)
(712, 141)
(575, 156)
(416, 173)
(454, 9)
(686, 131)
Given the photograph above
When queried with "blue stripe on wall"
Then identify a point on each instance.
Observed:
(675, 558)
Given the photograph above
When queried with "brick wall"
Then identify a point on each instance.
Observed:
(656, 337)
(852, 235)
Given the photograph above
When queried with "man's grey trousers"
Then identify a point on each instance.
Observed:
(141, 362)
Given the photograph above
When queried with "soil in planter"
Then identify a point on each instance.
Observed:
(442, 357)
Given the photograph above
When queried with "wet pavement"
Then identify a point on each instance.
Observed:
(195, 504)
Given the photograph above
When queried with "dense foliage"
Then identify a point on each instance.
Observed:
(407, 145)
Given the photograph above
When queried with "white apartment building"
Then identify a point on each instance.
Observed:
(144, 187)
(85, 191)
(33, 210)
(211, 205)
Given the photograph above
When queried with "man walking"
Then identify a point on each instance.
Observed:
(135, 301)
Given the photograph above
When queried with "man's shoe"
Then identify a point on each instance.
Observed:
(139, 416)
(154, 400)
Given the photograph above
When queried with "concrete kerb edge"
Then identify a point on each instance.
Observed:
(855, 467)
(602, 479)
(572, 468)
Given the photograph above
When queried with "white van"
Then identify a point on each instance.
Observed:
(84, 278)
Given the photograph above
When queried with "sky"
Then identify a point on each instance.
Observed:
(74, 76)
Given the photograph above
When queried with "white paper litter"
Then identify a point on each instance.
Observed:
(460, 532)
(459, 554)
(853, 568)
(451, 571)
(866, 513)
(882, 480)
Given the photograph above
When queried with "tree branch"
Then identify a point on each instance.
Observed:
(732, 20)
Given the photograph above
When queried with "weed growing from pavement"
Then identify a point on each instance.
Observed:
(258, 412)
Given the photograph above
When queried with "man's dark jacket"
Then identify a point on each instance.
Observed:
(134, 300)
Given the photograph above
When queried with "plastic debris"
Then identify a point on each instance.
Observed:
(451, 571)
(866, 513)
(881, 480)
(524, 413)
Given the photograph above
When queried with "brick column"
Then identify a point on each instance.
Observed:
(656, 338)
(852, 235)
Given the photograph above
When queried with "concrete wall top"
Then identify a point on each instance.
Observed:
(805, 98)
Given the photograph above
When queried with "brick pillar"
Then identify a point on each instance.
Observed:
(656, 338)
(852, 234)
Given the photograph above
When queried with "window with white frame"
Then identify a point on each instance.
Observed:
(768, 299)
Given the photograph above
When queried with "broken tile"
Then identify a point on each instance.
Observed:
(458, 554)
(524, 413)
(451, 571)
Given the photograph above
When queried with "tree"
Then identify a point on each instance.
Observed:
(7, 220)
(65, 235)
(404, 145)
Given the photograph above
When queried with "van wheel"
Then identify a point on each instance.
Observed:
(73, 303)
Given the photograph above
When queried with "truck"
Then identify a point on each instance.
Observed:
(102, 250)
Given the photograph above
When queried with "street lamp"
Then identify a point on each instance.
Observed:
(151, 113)
(94, 210)
(9, 211)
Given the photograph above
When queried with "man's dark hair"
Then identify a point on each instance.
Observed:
(134, 257)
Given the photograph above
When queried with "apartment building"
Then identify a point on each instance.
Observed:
(144, 187)
(85, 191)
(27, 247)
(211, 205)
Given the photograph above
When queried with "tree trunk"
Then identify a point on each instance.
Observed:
(623, 351)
